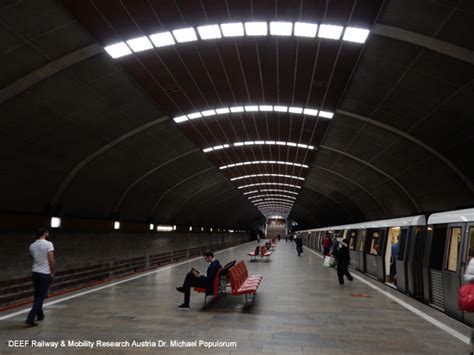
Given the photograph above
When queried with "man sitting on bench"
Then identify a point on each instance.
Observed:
(195, 279)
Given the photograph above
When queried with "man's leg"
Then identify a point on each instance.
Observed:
(348, 274)
(190, 280)
(340, 276)
(45, 283)
(34, 309)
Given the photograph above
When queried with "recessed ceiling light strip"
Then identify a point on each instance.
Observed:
(269, 183)
(236, 29)
(258, 142)
(308, 111)
(263, 162)
(267, 175)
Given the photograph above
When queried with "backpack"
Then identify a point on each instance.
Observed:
(466, 297)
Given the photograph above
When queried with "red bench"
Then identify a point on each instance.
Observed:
(215, 287)
(263, 252)
(240, 281)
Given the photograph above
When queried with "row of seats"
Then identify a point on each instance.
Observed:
(262, 251)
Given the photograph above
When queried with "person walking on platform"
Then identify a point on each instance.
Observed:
(44, 267)
(195, 279)
(299, 244)
(326, 244)
(341, 253)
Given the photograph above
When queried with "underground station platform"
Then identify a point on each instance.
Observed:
(299, 308)
(237, 176)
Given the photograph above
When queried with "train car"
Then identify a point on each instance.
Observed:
(449, 247)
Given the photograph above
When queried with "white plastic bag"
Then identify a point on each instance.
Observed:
(327, 261)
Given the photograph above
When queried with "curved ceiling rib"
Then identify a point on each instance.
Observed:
(372, 196)
(388, 176)
(73, 173)
(148, 173)
(189, 178)
(412, 139)
(182, 73)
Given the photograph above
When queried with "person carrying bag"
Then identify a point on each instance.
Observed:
(466, 296)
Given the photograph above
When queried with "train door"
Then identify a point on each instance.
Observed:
(433, 266)
(398, 266)
(352, 247)
(360, 250)
(468, 253)
(452, 270)
(391, 252)
(414, 260)
(374, 253)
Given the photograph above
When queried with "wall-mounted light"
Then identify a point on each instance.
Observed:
(164, 228)
(55, 222)
(116, 225)
(190, 228)
(152, 226)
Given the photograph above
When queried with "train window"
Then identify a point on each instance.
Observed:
(470, 252)
(402, 244)
(374, 244)
(453, 248)
(352, 240)
(437, 247)
(361, 241)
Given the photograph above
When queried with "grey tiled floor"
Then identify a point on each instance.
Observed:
(299, 309)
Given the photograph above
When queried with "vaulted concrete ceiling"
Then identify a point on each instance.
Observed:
(85, 135)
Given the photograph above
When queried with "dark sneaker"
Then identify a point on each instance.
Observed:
(184, 306)
(31, 323)
(180, 289)
(39, 318)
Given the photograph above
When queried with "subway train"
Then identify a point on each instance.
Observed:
(422, 256)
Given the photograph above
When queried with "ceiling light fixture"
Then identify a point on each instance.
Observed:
(357, 35)
(139, 44)
(266, 175)
(183, 35)
(162, 39)
(330, 31)
(209, 32)
(264, 162)
(118, 50)
(235, 29)
(304, 29)
(281, 28)
(256, 28)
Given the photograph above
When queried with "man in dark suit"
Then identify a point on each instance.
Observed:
(195, 279)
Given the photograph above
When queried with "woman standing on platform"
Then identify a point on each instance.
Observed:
(341, 253)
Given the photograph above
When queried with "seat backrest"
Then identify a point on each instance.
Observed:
(235, 276)
(263, 250)
(215, 283)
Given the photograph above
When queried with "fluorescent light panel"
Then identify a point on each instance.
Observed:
(183, 35)
(281, 28)
(139, 44)
(240, 144)
(264, 162)
(269, 183)
(256, 28)
(236, 29)
(357, 35)
(304, 29)
(162, 39)
(209, 32)
(330, 31)
(118, 50)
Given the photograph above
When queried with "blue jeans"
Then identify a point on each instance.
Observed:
(41, 283)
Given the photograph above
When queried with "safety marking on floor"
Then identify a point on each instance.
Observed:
(83, 293)
(412, 309)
